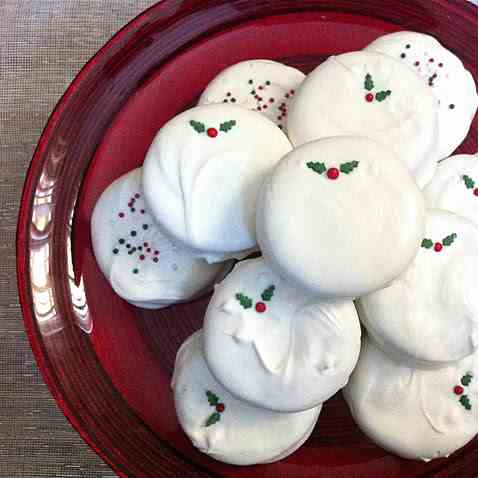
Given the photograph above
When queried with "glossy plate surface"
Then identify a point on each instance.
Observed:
(109, 364)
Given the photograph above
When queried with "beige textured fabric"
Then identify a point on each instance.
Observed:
(43, 44)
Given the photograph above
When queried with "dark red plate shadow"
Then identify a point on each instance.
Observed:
(109, 364)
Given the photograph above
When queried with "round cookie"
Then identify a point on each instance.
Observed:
(446, 76)
(142, 265)
(341, 217)
(416, 414)
(202, 174)
(373, 95)
(260, 85)
(275, 346)
(429, 316)
(228, 429)
(455, 186)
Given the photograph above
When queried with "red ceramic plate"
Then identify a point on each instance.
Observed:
(109, 364)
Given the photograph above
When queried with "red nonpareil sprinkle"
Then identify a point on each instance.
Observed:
(142, 257)
(148, 249)
(271, 100)
(431, 60)
(220, 407)
(121, 214)
(475, 192)
(261, 307)
(438, 247)
(292, 92)
(137, 195)
(369, 97)
(440, 65)
(156, 253)
(145, 244)
(212, 132)
(261, 87)
(458, 390)
(142, 211)
(333, 173)
(417, 63)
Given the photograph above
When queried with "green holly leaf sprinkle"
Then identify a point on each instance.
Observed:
(268, 293)
(466, 379)
(469, 183)
(382, 95)
(347, 168)
(317, 167)
(448, 240)
(198, 126)
(213, 418)
(427, 243)
(227, 125)
(212, 398)
(368, 84)
(465, 401)
(245, 301)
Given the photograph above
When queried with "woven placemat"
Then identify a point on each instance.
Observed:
(43, 44)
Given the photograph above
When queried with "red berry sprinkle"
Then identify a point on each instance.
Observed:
(458, 390)
(438, 247)
(333, 173)
(369, 97)
(220, 407)
(261, 307)
(142, 257)
(475, 192)
(212, 132)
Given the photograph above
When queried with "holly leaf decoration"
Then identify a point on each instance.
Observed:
(268, 293)
(382, 95)
(317, 167)
(466, 379)
(198, 126)
(368, 84)
(347, 168)
(469, 183)
(227, 125)
(213, 418)
(245, 301)
(465, 401)
(448, 240)
(427, 243)
(212, 398)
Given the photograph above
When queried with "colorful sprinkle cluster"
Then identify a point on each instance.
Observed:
(369, 86)
(426, 66)
(459, 390)
(130, 243)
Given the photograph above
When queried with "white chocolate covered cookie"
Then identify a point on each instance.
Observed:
(429, 316)
(261, 85)
(446, 76)
(276, 346)
(341, 217)
(228, 429)
(373, 95)
(142, 265)
(416, 414)
(455, 186)
(202, 174)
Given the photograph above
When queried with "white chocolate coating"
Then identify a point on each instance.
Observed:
(429, 316)
(345, 237)
(449, 190)
(244, 435)
(444, 74)
(147, 269)
(292, 354)
(202, 189)
(260, 85)
(332, 102)
(413, 413)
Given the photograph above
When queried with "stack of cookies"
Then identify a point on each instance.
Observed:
(344, 183)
